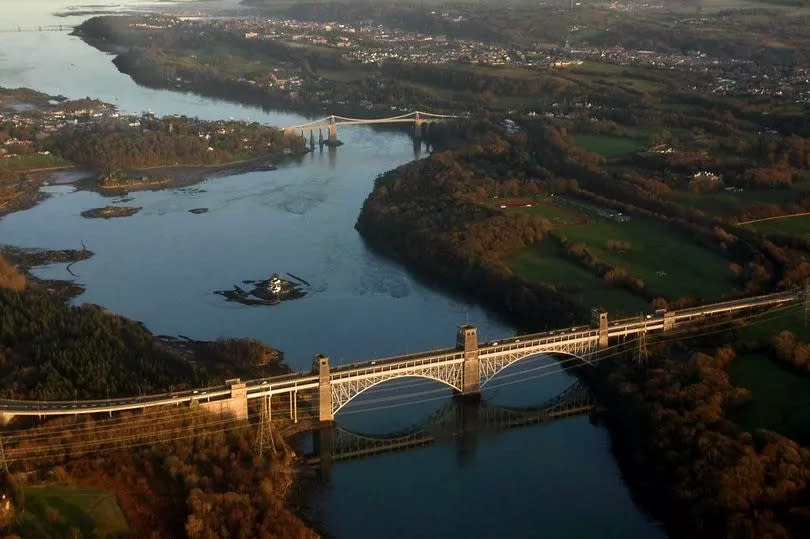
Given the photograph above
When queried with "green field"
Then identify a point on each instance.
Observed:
(789, 318)
(34, 160)
(780, 399)
(544, 263)
(726, 204)
(541, 207)
(609, 146)
(687, 269)
(669, 262)
(798, 226)
(54, 510)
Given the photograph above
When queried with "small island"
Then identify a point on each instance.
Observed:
(268, 292)
(198, 210)
(118, 179)
(108, 212)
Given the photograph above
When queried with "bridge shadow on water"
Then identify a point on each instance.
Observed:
(411, 413)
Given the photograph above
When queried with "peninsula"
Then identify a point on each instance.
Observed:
(40, 134)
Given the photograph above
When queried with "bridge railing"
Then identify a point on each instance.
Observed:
(522, 343)
(401, 363)
(394, 359)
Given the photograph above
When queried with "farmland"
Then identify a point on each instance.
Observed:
(669, 262)
(609, 146)
(780, 399)
(545, 263)
(797, 226)
(56, 510)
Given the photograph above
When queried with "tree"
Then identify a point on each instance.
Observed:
(10, 277)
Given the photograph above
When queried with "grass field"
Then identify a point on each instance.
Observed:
(725, 203)
(35, 160)
(541, 207)
(544, 263)
(609, 146)
(780, 399)
(798, 226)
(730, 203)
(790, 318)
(688, 269)
(670, 263)
(54, 510)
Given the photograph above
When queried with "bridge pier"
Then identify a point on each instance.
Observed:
(323, 447)
(333, 134)
(599, 319)
(467, 426)
(320, 364)
(467, 340)
(320, 137)
(236, 405)
(669, 321)
(312, 138)
(417, 129)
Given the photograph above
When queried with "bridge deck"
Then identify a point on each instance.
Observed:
(503, 350)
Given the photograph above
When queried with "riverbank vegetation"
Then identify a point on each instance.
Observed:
(698, 470)
(175, 473)
(40, 134)
(52, 351)
(170, 141)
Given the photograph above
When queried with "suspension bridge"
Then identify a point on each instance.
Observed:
(421, 123)
(48, 28)
(465, 368)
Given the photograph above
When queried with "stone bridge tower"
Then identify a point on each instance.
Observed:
(467, 340)
(599, 320)
(320, 366)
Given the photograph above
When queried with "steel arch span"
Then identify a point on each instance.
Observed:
(492, 367)
(345, 392)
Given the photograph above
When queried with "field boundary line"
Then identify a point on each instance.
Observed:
(752, 221)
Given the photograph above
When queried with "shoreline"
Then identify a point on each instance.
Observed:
(27, 259)
(175, 176)
(31, 194)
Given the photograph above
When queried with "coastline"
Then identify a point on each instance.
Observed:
(174, 176)
(30, 195)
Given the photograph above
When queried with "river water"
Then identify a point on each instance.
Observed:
(162, 265)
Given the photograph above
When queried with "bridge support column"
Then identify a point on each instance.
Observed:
(417, 129)
(467, 425)
(467, 340)
(311, 138)
(599, 319)
(669, 321)
(321, 364)
(333, 134)
(236, 405)
(322, 445)
(320, 137)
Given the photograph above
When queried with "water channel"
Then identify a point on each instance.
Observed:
(162, 265)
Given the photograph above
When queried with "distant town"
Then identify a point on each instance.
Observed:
(367, 42)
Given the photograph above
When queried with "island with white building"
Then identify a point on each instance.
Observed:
(271, 291)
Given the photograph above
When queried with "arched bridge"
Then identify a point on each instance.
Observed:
(452, 421)
(465, 368)
(420, 120)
